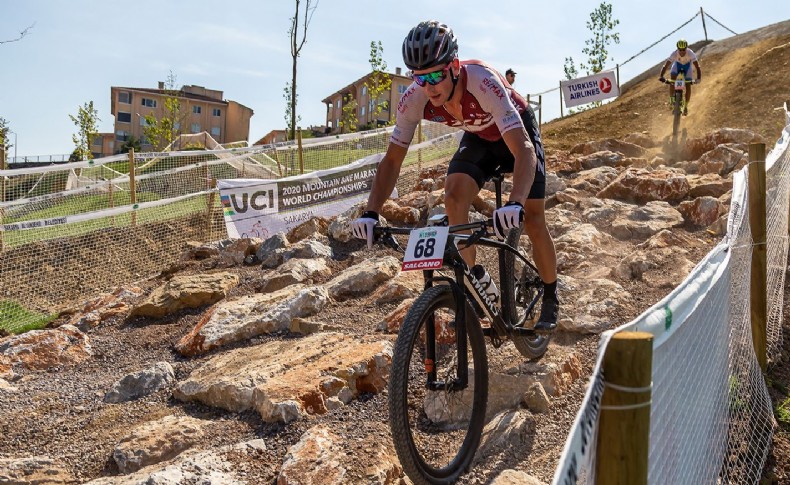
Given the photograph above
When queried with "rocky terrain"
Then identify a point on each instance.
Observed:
(267, 361)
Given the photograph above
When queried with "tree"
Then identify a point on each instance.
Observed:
(130, 143)
(162, 132)
(5, 140)
(348, 119)
(602, 25)
(87, 120)
(21, 35)
(290, 122)
(378, 82)
(570, 69)
(296, 48)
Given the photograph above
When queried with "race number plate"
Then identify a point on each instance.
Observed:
(425, 249)
(679, 84)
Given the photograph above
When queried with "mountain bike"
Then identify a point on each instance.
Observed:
(678, 101)
(438, 388)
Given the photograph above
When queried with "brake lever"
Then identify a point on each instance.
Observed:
(388, 239)
(474, 237)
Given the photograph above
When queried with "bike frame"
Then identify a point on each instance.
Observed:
(470, 289)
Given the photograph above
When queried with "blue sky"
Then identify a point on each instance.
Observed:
(79, 48)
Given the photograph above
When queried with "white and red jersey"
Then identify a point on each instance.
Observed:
(690, 56)
(490, 106)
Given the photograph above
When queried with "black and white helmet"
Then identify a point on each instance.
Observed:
(429, 44)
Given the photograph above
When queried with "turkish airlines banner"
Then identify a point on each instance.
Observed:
(261, 208)
(588, 89)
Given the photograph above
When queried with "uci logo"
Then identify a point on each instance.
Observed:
(259, 201)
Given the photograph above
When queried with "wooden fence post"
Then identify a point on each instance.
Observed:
(132, 186)
(277, 159)
(759, 279)
(110, 200)
(624, 426)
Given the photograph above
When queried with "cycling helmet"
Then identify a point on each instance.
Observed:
(682, 44)
(429, 44)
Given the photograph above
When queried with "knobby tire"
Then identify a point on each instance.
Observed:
(676, 112)
(518, 279)
(419, 441)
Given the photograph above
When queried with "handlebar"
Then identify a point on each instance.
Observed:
(385, 234)
(670, 81)
(480, 235)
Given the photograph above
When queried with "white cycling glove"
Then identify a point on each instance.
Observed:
(507, 217)
(698, 81)
(362, 228)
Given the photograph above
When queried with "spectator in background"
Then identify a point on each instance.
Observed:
(510, 75)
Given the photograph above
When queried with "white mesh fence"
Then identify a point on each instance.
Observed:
(711, 419)
(69, 232)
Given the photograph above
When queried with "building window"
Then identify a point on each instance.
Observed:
(339, 103)
(125, 97)
(121, 135)
(215, 131)
(196, 110)
(151, 103)
(124, 117)
(216, 112)
(97, 141)
(177, 126)
(144, 140)
(402, 88)
(195, 128)
(362, 111)
(364, 90)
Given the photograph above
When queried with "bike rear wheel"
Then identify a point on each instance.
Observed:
(522, 289)
(436, 432)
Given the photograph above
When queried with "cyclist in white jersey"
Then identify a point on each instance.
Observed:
(501, 135)
(681, 61)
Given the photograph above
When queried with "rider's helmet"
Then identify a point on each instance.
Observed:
(682, 44)
(429, 44)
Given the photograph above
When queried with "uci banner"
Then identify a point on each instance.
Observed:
(589, 89)
(261, 208)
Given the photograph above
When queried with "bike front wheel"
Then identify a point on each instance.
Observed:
(522, 289)
(676, 111)
(436, 419)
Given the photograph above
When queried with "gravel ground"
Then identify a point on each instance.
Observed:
(60, 413)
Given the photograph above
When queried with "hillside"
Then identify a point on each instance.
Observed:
(744, 86)
(261, 362)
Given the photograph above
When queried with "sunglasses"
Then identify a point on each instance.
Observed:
(432, 78)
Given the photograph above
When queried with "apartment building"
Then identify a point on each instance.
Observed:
(366, 106)
(201, 110)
